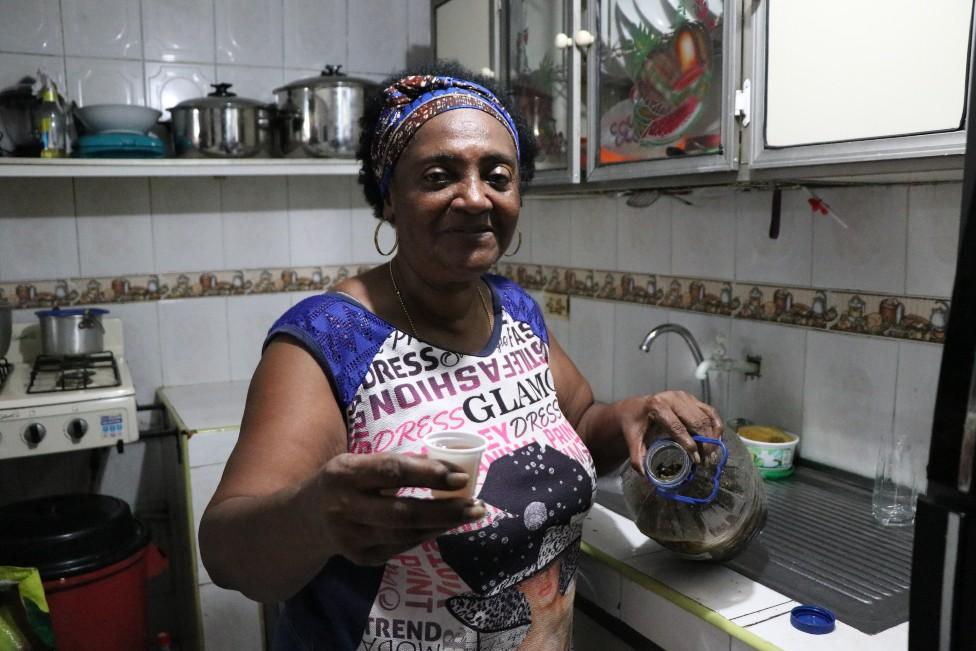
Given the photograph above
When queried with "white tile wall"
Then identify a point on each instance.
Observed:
(187, 225)
(703, 235)
(635, 372)
(522, 252)
(178, 30)
(776, 397)
(315, 37)
(591, 344)
(918, 373)
(250, 81)
(107, 28)
(140, 329)
(320, 219)
(31, 26)
(248, 321)
(383, 55)
(363, 228)
(869, 254)
(168, 84)
(37, 220)
(933, 237)
(593, 228)
(255, 221)
(644, 237)
(681, 363)
(249, 32)
(14, 67)
(551, 234)
(849, 398)
(105, 81)
(759, 258)
(193, 340)
(114, 226)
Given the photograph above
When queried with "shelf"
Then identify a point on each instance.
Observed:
(69, 167)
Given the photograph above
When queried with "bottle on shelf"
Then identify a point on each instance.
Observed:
(51, 120)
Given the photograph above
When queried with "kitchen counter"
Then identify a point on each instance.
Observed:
(208, 407)
(697, 606)
(676, 603)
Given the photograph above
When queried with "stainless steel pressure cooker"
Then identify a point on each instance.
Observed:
(319, 116)
(222, 125)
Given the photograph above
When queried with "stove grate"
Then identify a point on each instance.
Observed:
(74, 372)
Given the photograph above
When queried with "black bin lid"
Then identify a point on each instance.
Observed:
(65, 535)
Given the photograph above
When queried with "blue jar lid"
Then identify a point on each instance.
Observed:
(93, 311)
(812, 619)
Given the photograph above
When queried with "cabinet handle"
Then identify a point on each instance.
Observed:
(584, 39)
(562, 41)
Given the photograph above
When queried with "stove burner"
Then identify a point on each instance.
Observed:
(74, 373)
(75, 379)
(5, 369)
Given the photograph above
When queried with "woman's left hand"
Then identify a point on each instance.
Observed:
(673, 414)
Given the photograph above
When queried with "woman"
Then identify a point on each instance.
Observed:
(325, 501)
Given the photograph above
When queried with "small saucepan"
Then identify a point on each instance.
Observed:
(71, 332)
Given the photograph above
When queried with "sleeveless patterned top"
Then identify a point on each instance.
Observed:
(504, 582)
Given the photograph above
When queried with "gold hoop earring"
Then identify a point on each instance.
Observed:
(376, 239)
(517, 246)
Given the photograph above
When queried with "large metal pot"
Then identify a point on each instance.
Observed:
(222, 125)
(6, 325)
(71, 332)
(319, 116)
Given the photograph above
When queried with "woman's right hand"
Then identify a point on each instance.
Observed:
(351, 506)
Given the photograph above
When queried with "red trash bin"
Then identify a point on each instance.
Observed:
(94, 558)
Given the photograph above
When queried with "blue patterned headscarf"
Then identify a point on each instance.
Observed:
(413, 100)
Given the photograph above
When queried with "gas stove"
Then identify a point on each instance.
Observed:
(60, 404)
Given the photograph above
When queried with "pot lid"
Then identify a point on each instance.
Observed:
(83, 311)
(65, 535)
(221, 97)
(330, 76)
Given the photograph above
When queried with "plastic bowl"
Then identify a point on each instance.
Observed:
(117, 118)
(774, 460)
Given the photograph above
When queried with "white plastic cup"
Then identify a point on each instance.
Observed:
(462, 449)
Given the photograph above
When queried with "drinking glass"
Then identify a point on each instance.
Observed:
(895, 488)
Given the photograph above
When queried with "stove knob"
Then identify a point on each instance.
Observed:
(34, 434)
(77, 429)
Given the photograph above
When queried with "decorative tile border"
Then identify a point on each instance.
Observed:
(157, 287)
(882, 315)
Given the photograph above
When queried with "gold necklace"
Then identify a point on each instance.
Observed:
(406, 312)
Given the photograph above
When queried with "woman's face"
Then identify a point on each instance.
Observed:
(454, 197)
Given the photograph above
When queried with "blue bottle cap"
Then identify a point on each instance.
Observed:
(812, 619)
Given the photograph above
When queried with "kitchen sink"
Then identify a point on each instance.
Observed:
(821, 545)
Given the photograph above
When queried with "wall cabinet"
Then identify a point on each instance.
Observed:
(698, 90)
(838, 82)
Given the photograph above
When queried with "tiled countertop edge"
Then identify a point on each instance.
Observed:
(181, 425)
(682, 601)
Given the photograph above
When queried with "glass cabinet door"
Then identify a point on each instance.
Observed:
(467, 32)
(662, 81)
(842, 81)
(544, 75)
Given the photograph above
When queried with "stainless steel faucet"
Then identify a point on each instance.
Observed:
(692, 344)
